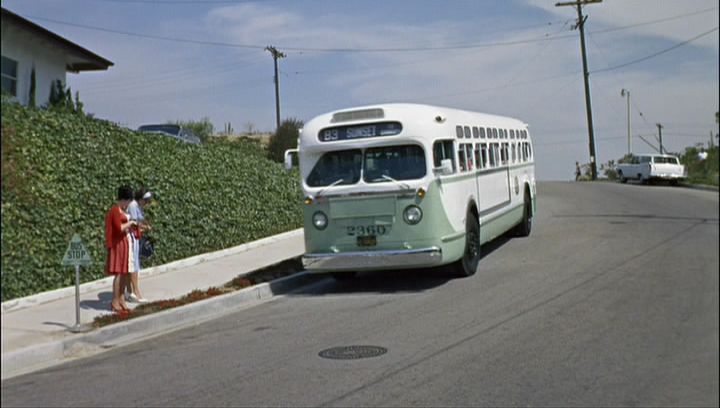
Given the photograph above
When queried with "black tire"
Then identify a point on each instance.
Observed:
(622, 179)
(343, 276)
(525, 227)
(468, 264)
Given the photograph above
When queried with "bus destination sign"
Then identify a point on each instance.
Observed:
(360, 131)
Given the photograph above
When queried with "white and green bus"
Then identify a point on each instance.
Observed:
(399, 186)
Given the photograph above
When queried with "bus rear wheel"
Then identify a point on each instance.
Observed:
(343, 276)
(471, 257)
(525, 227)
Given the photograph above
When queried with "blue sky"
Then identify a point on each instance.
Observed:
(518, 58)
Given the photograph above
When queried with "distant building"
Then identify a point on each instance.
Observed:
(26, 45)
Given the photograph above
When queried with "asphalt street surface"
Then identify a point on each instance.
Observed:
(612, 301)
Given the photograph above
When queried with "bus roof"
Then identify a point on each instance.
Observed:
(415, 119)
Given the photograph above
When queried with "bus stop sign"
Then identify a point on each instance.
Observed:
(76, 254)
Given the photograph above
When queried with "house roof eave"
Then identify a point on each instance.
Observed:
(93, 62)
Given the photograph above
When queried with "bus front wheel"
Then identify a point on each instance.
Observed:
(471, 257)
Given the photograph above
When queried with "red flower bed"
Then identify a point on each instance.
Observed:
(282, 269)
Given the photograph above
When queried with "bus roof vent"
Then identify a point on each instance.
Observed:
(358, 115)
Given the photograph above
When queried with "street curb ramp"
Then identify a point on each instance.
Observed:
(125, 333)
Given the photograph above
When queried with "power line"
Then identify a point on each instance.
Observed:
(647, 57)
(300, 49)
(176, 2)
(347, 50)
(662, 20)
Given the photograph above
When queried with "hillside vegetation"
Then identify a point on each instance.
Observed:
(61, 171)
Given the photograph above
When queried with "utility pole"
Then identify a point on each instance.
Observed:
(624, 92)
(660, 137)
(586, 74)
(276, 55)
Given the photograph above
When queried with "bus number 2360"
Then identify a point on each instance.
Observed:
(366, 230)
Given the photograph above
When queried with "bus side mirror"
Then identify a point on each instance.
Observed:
(289, 158)
(445, 168)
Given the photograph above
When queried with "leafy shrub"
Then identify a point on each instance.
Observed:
(203, 128)
(701, 171)
(286, 137)
(61, 171)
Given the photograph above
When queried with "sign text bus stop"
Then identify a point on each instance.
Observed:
(76, 255)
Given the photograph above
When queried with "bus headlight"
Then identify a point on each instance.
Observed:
(412, 214)
(319, 220)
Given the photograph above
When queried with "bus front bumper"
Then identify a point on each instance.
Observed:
(369, 260)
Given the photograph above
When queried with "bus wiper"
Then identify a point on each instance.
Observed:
(386, 177)
(333, 184)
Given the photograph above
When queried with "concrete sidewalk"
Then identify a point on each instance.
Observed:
(34, 329)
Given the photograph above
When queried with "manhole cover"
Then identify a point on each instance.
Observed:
(352, 352)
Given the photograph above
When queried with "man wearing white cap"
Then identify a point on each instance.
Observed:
(135, 213)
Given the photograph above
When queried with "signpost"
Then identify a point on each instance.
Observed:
(77, 255)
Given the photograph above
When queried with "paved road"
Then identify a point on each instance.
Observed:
(613, 300)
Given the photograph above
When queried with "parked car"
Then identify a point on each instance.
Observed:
(647, 167)
(176, 131)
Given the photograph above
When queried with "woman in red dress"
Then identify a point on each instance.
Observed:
(117, 244)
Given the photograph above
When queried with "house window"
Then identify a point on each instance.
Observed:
(9, 75)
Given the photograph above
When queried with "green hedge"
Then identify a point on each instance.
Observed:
(61, 171)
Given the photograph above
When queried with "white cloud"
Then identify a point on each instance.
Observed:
(621, 13)
(538, 82)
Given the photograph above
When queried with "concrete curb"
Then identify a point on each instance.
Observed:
(103, 283)
(701, 187)
(121, 334)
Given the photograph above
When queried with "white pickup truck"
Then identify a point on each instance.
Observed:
(647, 167)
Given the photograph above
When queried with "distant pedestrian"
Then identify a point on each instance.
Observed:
(578, 172)
(117, 226)
(702, 154)
(135, 213)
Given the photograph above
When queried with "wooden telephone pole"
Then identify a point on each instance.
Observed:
(276, 55)
(588, 108)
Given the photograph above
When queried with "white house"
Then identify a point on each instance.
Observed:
(26, 45)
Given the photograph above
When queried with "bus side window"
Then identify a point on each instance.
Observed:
(461, 157)
(478, 159)
(467, 132)
(493, 156)
(514, 155)
(476, 133)
(469, 156)
(482, 133)
(459, 131)
(443, 150)
(484, 154)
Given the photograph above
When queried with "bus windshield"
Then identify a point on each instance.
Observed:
(380, 165)
(333, 166)
(383, 164)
